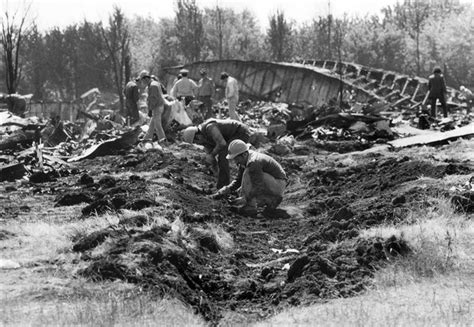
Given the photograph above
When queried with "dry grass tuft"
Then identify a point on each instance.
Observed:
(100, 309)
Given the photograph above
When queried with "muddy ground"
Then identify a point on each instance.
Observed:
(202, 252)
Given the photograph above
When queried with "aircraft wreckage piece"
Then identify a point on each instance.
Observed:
(278, 82)
(435, 137)
(391, 86)
(312, 82)
(110, 147)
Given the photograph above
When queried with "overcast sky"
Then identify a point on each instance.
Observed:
(50, 13)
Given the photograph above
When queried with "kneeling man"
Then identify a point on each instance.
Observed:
(261, 179)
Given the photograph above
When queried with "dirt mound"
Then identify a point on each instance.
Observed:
(108, 194)
(277, 259)
(349, 199)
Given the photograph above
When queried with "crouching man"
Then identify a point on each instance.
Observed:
(261, 179)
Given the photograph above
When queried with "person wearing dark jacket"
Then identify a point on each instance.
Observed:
(215, 135)
(132, 95)
(437, 90)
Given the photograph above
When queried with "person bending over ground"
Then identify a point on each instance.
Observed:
(261, 179)
(215, 135)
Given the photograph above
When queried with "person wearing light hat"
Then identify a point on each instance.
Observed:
(184, 88)
(215, 135)
(156, 103)
(261, 179)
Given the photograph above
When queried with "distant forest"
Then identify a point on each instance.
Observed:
(61, 64)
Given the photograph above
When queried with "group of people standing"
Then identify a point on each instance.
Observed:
(261, 180)
(184, 89)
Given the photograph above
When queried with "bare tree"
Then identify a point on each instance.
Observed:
(13, 31)
(117, 43)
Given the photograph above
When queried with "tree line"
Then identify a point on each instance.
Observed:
(61, 64)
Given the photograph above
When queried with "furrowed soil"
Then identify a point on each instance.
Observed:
(199, 250)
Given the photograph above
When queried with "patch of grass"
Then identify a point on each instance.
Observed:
(440, 240)
(100, 309)
(443, 301)
(43, 293)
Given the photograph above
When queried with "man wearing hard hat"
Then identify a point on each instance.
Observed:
(261, 179)
(215, 135)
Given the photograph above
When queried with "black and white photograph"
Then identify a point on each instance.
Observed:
(236, 163)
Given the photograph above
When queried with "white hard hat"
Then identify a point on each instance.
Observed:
(143, 74)
(237, 147)
(188, 134)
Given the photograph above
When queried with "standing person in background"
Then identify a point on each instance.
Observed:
(468, 97)
(156, 103)
(132, 95)
(231, 94)
(206, 93)
(184, 88)
(437, 90)
(167, 108)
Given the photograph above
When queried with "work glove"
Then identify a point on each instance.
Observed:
(150, 113)
(220, 193)
(239, 201)
(216, 196)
